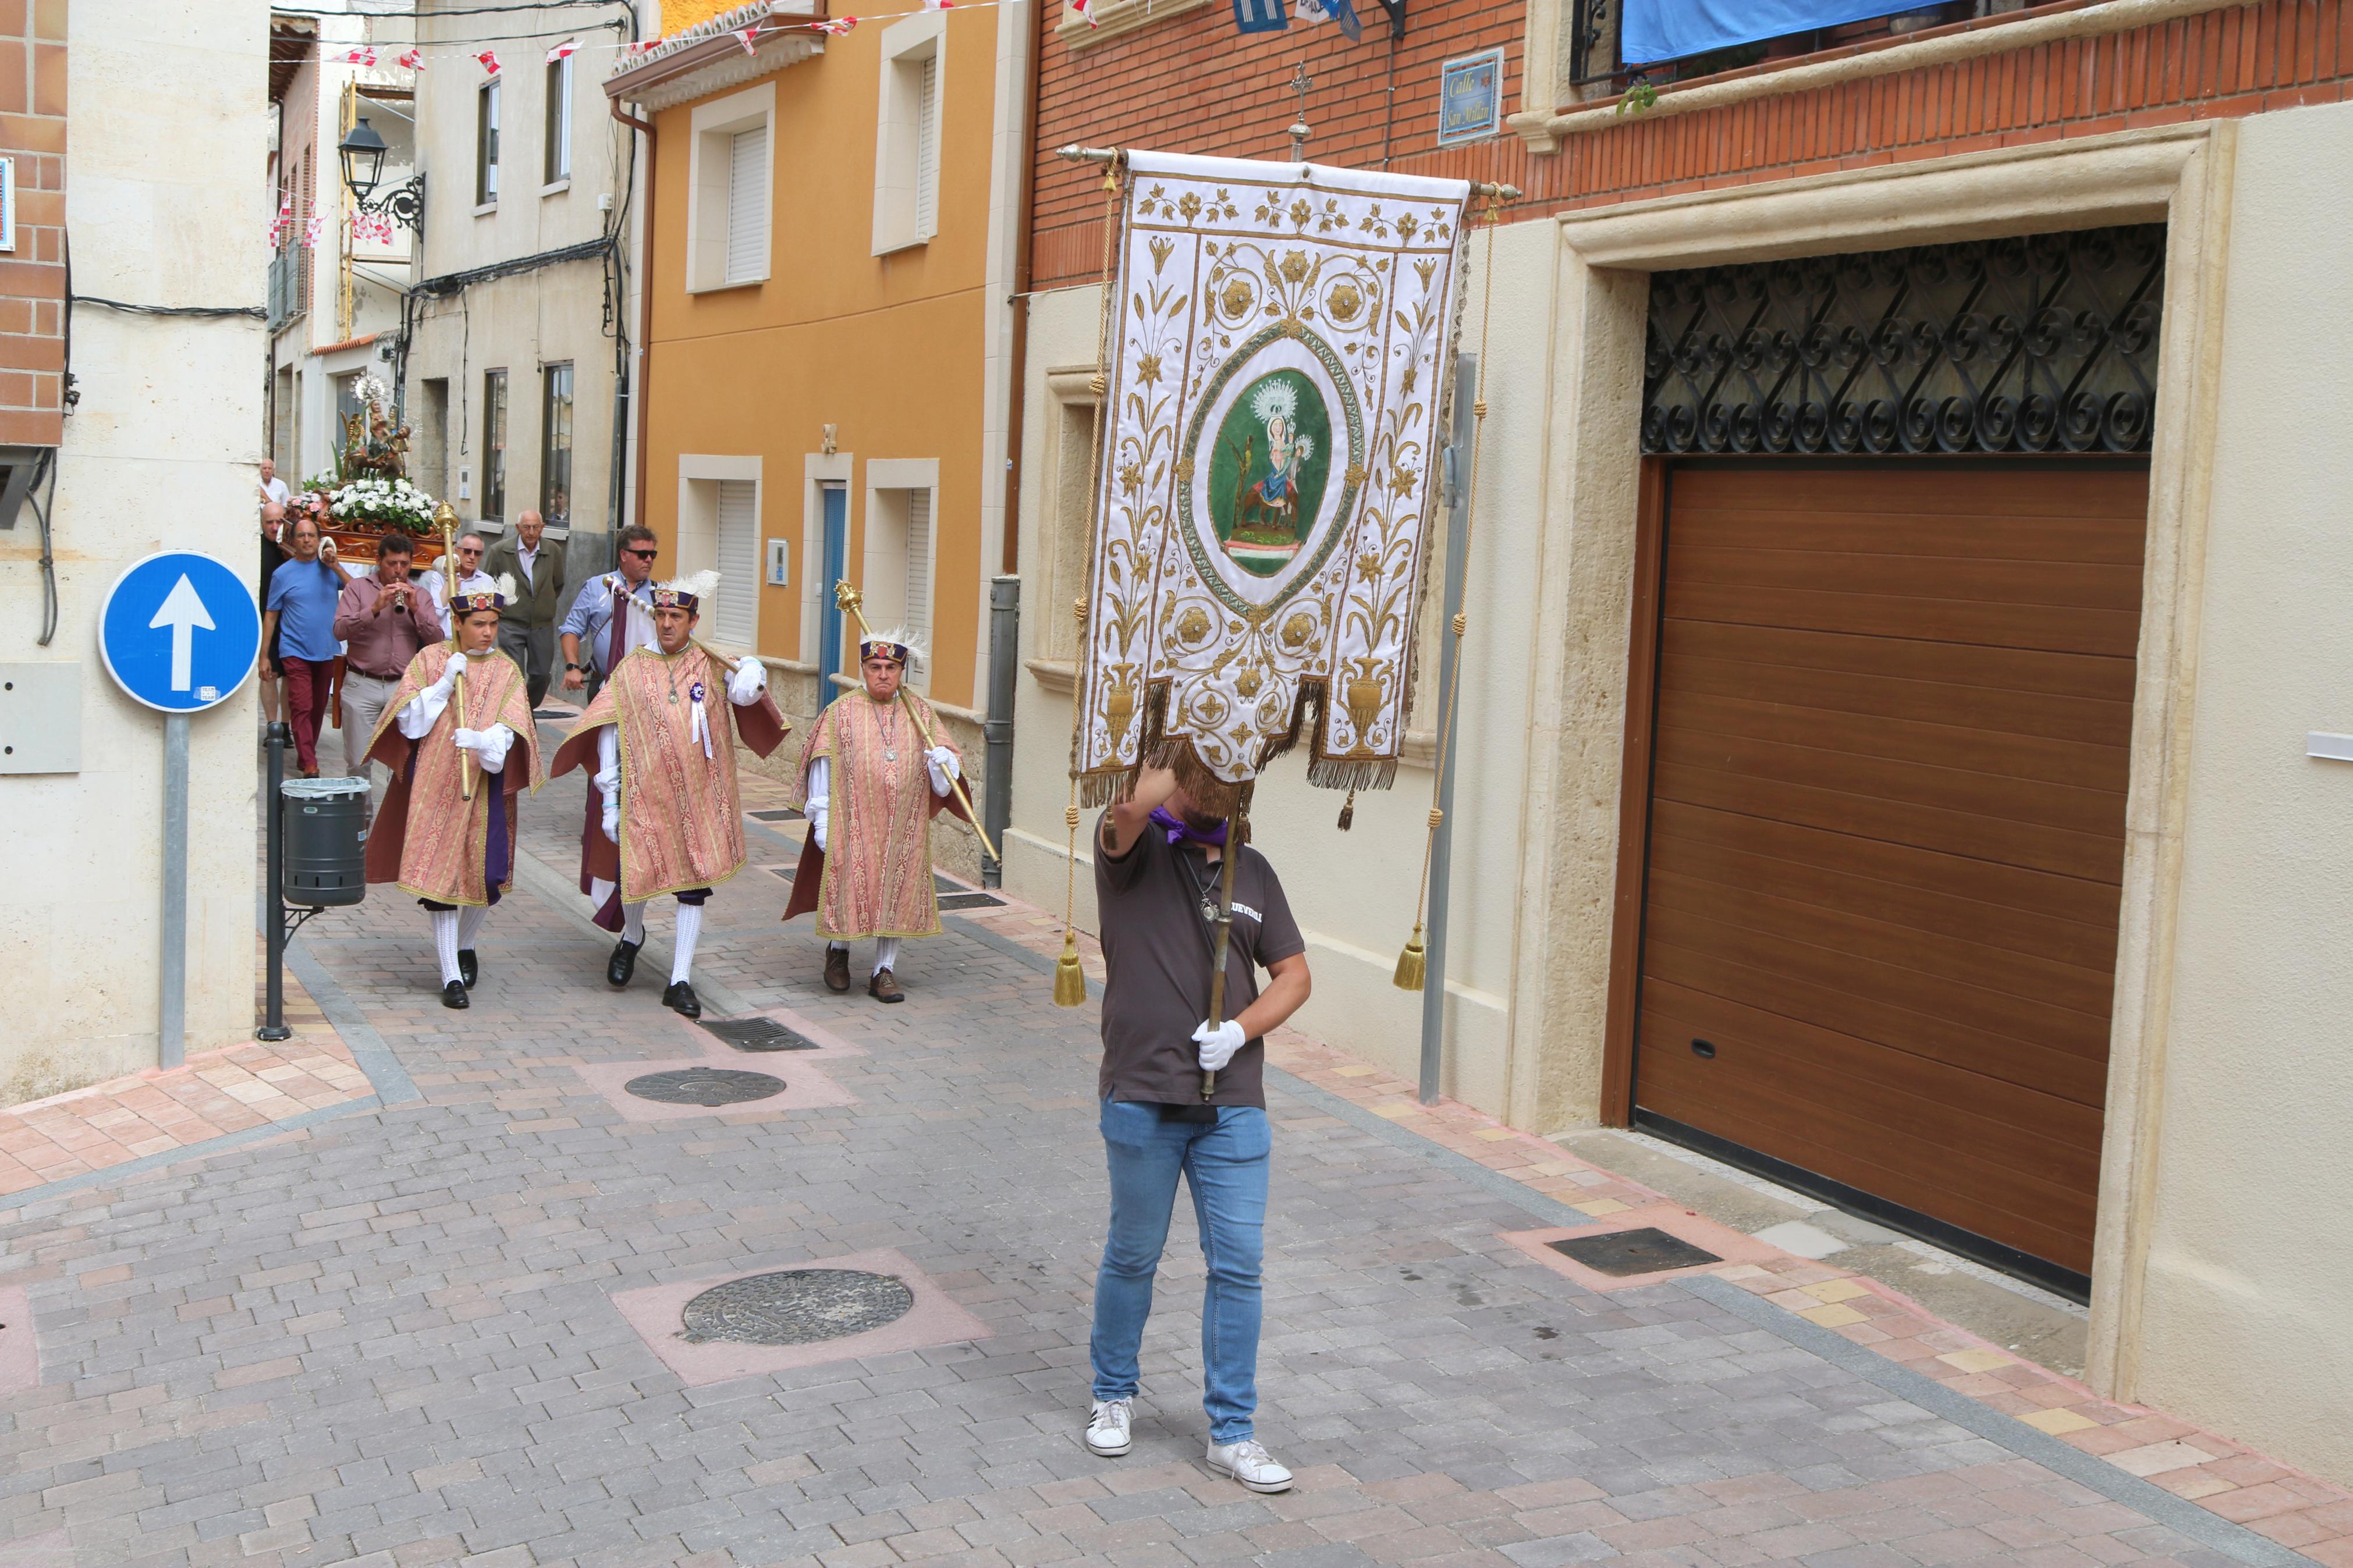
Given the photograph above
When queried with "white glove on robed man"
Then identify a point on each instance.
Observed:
(452, 671)
(1219, 1043)
(942, 764)
(750, 680)
(489, 746)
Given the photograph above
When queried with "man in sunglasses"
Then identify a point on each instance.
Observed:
(611, 615)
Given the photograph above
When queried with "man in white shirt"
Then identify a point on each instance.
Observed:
(273, 489)
(471, 578)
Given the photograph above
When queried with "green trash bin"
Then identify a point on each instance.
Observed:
(326, 840)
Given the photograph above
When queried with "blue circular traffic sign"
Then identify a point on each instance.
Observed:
(180, 631)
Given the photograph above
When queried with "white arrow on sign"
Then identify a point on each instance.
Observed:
(184, 611)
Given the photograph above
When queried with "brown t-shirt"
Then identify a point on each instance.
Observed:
(1157, 950)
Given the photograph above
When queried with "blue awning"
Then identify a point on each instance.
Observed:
(1670, 30)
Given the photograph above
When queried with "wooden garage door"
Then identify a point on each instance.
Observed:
(1886, 828)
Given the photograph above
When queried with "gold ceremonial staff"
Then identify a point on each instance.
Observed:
(445, 517)
(849, 599)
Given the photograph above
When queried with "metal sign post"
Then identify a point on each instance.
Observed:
(1457, 535)
(179, 632)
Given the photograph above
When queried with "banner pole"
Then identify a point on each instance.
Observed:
(1458, 545)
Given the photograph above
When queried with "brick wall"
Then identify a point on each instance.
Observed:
(2238, 60)
(1193, 84)
(32, 276)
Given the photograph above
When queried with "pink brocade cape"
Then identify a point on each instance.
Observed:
(681, 815)
(429, 839)
(877, 878)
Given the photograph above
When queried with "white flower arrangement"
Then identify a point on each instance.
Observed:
(393, 503)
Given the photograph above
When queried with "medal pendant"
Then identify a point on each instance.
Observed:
(889, 755)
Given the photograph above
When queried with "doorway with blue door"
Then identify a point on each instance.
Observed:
(833, 552)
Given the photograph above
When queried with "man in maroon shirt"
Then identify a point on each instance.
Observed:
(383, 621)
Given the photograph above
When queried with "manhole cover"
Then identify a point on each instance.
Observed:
(796, 1306)
(970, 901)
(757, 1035)
(1624, 1252)
(705, 1086)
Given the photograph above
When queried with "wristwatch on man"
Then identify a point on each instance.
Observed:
(570, 664)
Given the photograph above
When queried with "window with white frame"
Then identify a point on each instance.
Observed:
(902, 497)
(907, 136)
(485, 143)
(1065, 508)
(557, 160)
(731, 194)
(719, 530)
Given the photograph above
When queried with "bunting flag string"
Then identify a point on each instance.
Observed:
(414, 57)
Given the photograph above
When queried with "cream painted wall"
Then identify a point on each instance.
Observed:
(1353, 892)
(166, 199)
(2248, 1276)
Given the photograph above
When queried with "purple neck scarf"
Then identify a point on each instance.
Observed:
(1178, 828)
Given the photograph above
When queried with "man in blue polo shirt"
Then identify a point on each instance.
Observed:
(301, 613)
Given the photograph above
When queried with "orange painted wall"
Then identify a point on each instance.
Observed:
(888, 348)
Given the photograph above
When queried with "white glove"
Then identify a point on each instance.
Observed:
(750, 680)
(456, 667)
(1219, 1044)
(815, 812)
(613, 820)
(490, 747)
(467, 740)
(942, 764)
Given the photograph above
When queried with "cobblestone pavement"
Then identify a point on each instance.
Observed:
(445, 1330)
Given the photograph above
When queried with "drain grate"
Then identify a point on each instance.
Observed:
(971, 901)
(706, 1087)
(783, 871)
(785, 815)
(1623, 1252)
(796, 1306)
(757, 1035)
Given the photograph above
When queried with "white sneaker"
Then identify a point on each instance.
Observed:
(1250, 1464)
(1107, 1426)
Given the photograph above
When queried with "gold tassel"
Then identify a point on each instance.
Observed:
(1348, 812)
(1069, 980)
(1410, 961)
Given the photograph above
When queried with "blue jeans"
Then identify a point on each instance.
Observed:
(1225, 1164)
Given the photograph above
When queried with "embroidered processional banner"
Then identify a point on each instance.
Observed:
(1282, 340)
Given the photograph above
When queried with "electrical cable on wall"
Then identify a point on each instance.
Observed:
(47, 470)
(258, 313)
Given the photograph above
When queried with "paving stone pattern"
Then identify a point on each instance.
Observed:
(389, 1339)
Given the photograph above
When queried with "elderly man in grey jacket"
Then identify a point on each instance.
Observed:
(527, 630)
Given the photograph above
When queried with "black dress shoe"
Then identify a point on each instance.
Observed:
(681, 998)
(624, 963)
(468, 967)
(454, 994)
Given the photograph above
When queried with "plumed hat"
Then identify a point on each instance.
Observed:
(686, 592)
(894, 643)
(464, 604)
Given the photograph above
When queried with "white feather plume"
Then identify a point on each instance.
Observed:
(701, 585)
(507, 586)
(900, 634)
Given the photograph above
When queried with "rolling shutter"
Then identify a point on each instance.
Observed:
(739, 566)
(918, 580)
(747, 206)
(927, 152)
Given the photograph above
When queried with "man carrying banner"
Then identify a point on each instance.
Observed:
(662, 732)
(610, 614)
(866, 865)
(1158, 868)
(447, 831)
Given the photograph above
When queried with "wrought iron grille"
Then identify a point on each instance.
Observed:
(2045, 343)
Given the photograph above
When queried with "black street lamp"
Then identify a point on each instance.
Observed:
(362, 153)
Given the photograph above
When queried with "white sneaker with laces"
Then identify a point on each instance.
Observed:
(1107, 1426)
(1248, 1463)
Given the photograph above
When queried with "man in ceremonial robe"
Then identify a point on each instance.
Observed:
(447, 831)
(874, 786)
(662, 731)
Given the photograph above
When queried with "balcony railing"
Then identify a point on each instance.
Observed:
(289, 272)
(1596, 67)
